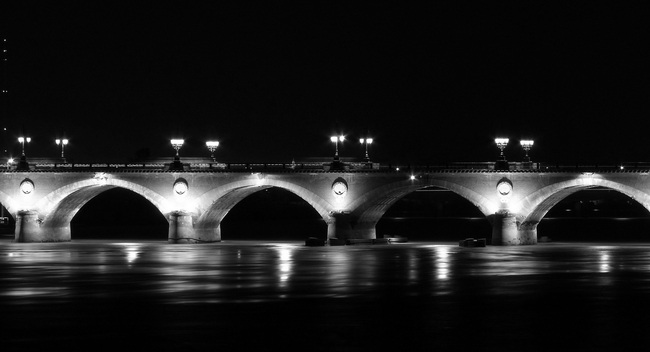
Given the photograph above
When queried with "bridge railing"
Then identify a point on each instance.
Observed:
(351, 166)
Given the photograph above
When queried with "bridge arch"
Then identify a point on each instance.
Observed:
(534, 207)
(215, 204)
(52, 214)
(76, 194)
(368, 209)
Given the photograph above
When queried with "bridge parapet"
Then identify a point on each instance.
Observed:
(209, 165)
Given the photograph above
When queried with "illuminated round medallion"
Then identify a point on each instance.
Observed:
(504, 188)
(340, 189)
(27, 186)
(180, 186)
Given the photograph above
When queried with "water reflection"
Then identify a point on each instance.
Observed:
(257, 271)
(430, 289)
(284, 265)
(442, 262)
(604, 265)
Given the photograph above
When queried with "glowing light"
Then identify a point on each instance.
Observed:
(501, 144)
(504, 189)
(177, 144)
(442, 262)
(101, 177)
(180, 187)
(212, 146)
(285, 264)
(366, 141)
(527, 144)
(339, 189)
(259, 179)
(604, 262)
(412, 177)
(132, 251)
(27, 187)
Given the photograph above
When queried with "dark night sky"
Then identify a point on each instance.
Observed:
(273, 81)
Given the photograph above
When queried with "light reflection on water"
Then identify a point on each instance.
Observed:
(258, 271)
(429, 292)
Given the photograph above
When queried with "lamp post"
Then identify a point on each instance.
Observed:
(366, 141)
(177, 144)
(501, 144)
(502, 163)
(22, 141)
(527, 144)
(336, 141)
(22, 164)
(212, 146)
(63, 142)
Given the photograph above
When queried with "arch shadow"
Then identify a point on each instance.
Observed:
(369, 208)
(214, 205)
(534, 207)
(434, 214)
(117, 214)
(272, 213)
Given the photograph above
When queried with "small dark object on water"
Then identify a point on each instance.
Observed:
(471, 242)
(313, 242)
(396, 238)
(366, 241)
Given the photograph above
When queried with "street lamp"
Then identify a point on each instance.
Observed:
(366, 141)
(501, 164)
(63, 142)
(501, 144)
(336, 141)
(22, 141)
(177, 144)
(212, 146)
(527, 144)
(22, 164)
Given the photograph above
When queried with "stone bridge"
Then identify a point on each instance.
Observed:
(351, 201)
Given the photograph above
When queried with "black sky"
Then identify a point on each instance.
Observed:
(272, 81)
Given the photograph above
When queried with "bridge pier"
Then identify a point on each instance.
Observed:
(339, 227)
(29, 228)
(181, 230)
(343, 227)
(506, 231)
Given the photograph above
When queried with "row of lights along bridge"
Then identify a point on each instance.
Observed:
(212, 146)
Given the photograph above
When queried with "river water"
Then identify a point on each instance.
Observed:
(261, 295)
